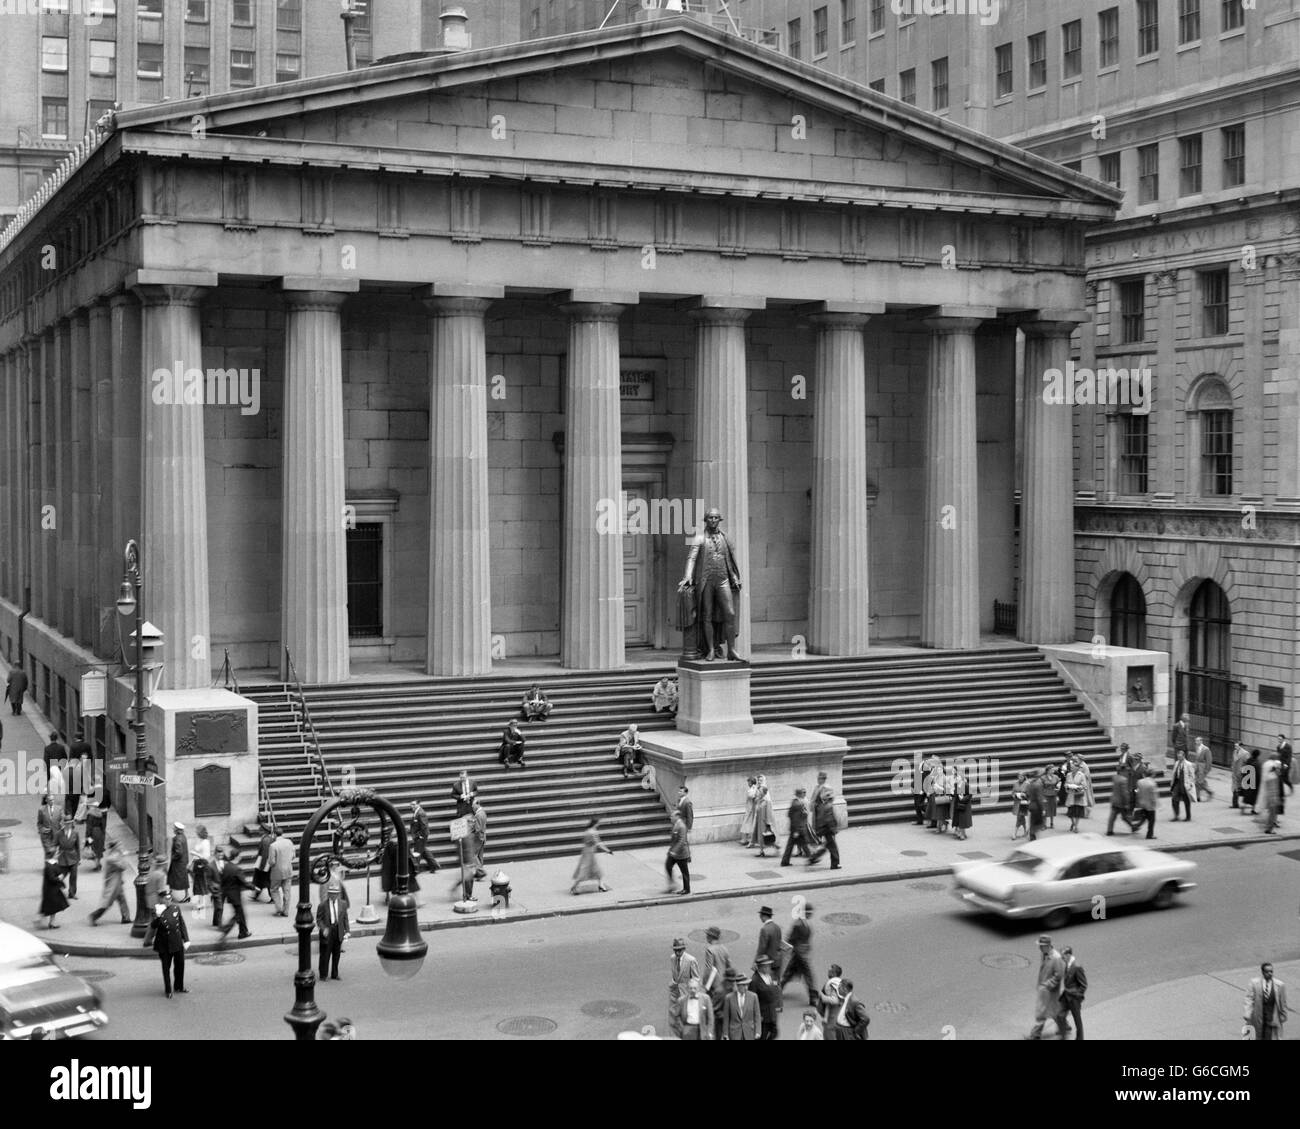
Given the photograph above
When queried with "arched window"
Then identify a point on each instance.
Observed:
(1210, 417)
(1128, 613)
(1210, 630)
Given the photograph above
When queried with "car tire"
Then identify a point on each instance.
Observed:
(1164, 897)
(1059, 918)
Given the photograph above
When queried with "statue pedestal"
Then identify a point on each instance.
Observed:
(717, 747)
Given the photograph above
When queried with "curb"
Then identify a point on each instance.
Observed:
(463, 921)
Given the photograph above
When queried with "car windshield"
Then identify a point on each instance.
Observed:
(1023, 862)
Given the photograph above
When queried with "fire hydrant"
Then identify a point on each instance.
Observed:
(500, 887)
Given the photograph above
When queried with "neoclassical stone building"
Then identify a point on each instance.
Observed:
(478, 295)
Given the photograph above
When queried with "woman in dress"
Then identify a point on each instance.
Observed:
(1051, 782)
(53, 899)
(1075, 793)
(751, 801)
(764, 820)
(200, 854)
(588, 863)
(945, 785)
(1270, 795)
(961, 807)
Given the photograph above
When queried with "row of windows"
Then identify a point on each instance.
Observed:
(102, 61)
(1191, 164)
(1212, 438)
(288, 13)
(1129, 299)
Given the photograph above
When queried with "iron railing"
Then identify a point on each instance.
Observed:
(316, 765)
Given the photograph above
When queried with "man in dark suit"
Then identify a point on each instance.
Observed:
(769, 938)
(419, 835)
(48, 819)
(463, 792)
(685, 806)
(512, 745)
(1034, 792)
(800, 963)
(68, 846)
(798, 826)
(1073, 987)
(768, 991)
(740, 1011)
(823, 811)
(332, 924)
(850, 1019)
(233, 884)
(80, 755)
(15, 688)
(170, 940)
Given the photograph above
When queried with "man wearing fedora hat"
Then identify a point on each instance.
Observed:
(769, 938)
(800, 962)
(682, 968)
(1047, 993)
(332, 923)
(768, 992)
(740, 1011)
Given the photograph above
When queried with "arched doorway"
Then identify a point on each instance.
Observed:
(1206, 690)
(1128, 613)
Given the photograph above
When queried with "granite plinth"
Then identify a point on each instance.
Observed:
(713, 697)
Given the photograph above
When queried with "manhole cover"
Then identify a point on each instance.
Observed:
(529, 1026)
(762, 874)
(609, 1009)
(726, 936)
(1004, 960)
(925, 885)
(974, 855)
(1227, 830)
(846, 918)
(220, 958)
(915, 854)
(10, 822)
(890, 1006)
(92, 975)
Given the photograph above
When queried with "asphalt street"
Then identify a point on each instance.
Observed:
(927, 967)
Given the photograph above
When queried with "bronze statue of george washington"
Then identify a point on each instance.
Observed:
(706, 595)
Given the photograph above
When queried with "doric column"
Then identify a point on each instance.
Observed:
(64, 565)
(104, 555)
(1047, 496)
(45, 512)
(591, 636)
(950, 592)
(29, 465)
(838, 607)
(8, 492)
(127, 455)
(81, 538)
(721, 447)
(460, 574)
(1163, 473)
(1283, 389)
(313, 561)
(174, 508)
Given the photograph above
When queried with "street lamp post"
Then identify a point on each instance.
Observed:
(130, 601)
(402, 949)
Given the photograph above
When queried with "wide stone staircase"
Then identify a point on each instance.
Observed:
(1002, 709)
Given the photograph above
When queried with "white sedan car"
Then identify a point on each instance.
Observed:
(37, 996)
(1053, 878)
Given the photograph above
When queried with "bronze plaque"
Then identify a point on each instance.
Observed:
(211, 791)
(208, 733)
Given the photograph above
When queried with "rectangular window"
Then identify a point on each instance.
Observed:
(1072, 49)
(1133, 453)
(1002, 65)
(1189, 21)
(55, 7)
(848, 20)
(794, 37)
(243, 67)
(1132, 311)
(1109, 169)
(819, 32)
(241, 13)
(288, 15)
(1036, 53)
(54, 53)
(54, 118)
(878, 85)
(365, 558)
(148, 60)
(877, 16)
(197, 66)
(907, 86)
(1216, 453)
(1148, 27)
(1189, 165)
(1234, 156)
(1214, 302)
(103, 56)
(1233, 15)
(196, 11)
(1073, 166)
(535, 21)
(1148, 173)
(362, 9)
(939, 84)
(287, 67)
(152, 9)
(1108, 38)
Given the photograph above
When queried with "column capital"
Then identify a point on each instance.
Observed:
(816, 310)
(592, 311)
(954, 319)
(290, 283)
(943, 324)
(305, 301)
(839, 320)
(168, 294)
(142, 280)
(590, 296)
(729, 309)
(447, 306)
(1050, 323)
(460, 290)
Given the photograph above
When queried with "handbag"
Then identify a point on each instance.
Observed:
(769, 838)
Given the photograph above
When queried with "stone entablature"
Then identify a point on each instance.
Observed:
(1182, 522)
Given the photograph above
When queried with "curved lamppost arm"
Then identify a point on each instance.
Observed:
(306, 1017)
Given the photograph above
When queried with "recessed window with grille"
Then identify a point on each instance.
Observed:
(1108, 169)
(288, 15)
(1148, 27)
(196, 11)
(241, 12)
(243, 68)
(1234, 156)
(1214, 302)
(1216, 453)
(794, 37)
(878, 85)
(1189, 165)
(907, 86)
(1072, 49)
(1128, 613)
(1148, 174)
(1133, 438)
(1108, 38)
(1233, 15)
(54, 118)
(1189, 21)
(848, 21)
(820, 36)
(1132, 311)
(939, 84)
(1209, 642)
(1036, 53)
(1002, 65)
(149, 60)
(197, 66)
(877, 16)
(366, 580)
(287, 67)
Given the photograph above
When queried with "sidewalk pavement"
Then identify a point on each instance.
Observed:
(540, 887)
